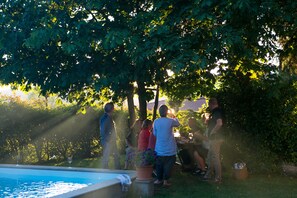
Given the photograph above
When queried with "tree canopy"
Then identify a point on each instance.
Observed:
(244, 50)
(88, 49)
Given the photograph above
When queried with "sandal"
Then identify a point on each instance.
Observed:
(157, 182)
(218, 181)
(196, 172)
(166, 184)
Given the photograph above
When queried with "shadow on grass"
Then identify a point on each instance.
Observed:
(187, 185)
(184, 184)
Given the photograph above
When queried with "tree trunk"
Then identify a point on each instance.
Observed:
(131, 109)
(142, 100)
(156, 103)
(38, 149)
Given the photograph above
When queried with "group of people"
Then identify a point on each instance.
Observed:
(158, 135)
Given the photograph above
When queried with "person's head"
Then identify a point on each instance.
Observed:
(192, 123)
(213, 103)
(109, 107)
(147, 124)
(163, 110)
(138, 123)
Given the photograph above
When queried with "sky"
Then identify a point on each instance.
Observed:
(6, 90)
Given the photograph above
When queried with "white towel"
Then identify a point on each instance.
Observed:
(125, 181)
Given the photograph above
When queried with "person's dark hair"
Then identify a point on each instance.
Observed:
(192, 121)
(136, 127)
(213, 101)
(163, 110)
(146, 123)
(193, 124)
(108, 107)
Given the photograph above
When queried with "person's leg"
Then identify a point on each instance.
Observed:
(168, 165)
(132, 157)
(210, 157)
(127, 158)
(106, 153)
(216, 160)
(159, 169)
(116, 156)
(200, 161)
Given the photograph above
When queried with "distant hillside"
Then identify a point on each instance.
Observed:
(187, 104)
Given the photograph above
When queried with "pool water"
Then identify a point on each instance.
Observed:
(18, 182)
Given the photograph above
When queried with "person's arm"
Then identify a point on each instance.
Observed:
(152, 142)
(128, 140)
(107, 127)
(197, 135)
(147, 137)
(154, 129)
(102, 130)
(219, 124)
(175, 122)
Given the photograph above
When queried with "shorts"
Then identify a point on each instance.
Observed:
(130, 153)
(202, 151)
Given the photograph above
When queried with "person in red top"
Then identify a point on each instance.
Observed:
(144, 135)
(152, 142)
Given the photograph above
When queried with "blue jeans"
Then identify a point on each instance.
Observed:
(164, 165)
(110, 148)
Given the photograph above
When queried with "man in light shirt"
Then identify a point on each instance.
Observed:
(165, 145)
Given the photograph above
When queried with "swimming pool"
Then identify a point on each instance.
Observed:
(58, 182)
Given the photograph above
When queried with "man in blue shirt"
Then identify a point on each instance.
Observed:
(165, 145)
(108, 137)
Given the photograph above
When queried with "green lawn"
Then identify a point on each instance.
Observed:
(184, 184)
(187, 185)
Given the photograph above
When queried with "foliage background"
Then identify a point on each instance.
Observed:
(93, 51)
(37, 135)
(260, 127)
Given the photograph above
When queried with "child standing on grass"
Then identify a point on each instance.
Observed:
(131, 142)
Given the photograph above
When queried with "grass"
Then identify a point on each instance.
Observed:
(184, 184)
(187, 185)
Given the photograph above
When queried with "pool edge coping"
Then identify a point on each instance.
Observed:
(84, 190)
